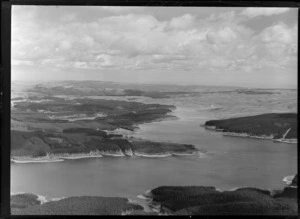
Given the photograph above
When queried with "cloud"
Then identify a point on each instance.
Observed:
(119, 9)
(278, 44)
(280, 33)
(144, 41)
(104, 60)
(255, 12)
(65, 45)
(184, 21)
(163, 58)
(225, 35)
(68, 17)
(20, 62)
(228, 17)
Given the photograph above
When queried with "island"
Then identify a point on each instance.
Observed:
(279, 127)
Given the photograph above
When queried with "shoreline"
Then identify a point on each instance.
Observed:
(146, 199)
(52, 158)
(32, 204)
(288, 180)
(152, 155)
(246, 135)
(158, 201)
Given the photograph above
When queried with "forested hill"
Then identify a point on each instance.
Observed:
(276, 124)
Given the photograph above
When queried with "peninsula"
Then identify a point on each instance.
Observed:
(52, 129)
(280, 127)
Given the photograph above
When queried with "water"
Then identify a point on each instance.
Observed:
(260, 167)
(230, 162)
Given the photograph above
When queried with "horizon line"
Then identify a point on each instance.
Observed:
(164, 83)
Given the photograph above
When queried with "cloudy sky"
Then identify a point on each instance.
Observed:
(252, 47)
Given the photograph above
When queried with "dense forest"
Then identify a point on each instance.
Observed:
(276, 124)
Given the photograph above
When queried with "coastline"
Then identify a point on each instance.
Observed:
(121, 130)
(215, 201)
(289, 179)
(152, 155)
(246, 135)
(56, 158)
(31, 204)
(51, 158)
(166, 200)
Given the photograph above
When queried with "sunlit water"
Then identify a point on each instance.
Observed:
(230, 162)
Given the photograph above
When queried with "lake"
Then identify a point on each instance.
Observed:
(229, 162)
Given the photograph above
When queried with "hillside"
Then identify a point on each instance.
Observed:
(201, 200)
(83, 205)
(271, 124)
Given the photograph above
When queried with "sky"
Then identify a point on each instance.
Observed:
(228, 46)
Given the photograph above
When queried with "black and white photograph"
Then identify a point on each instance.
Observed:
(153, 110)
